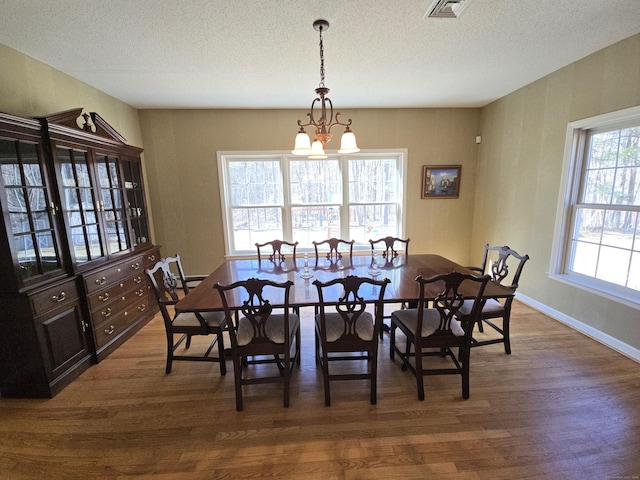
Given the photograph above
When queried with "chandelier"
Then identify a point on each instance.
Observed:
(326, 121)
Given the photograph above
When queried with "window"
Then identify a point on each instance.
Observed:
(598, 229)
(267, 196)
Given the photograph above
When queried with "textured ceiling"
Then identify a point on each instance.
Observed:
(265, 54)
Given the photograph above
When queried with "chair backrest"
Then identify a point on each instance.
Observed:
(276, 255)
(448, 292)
(389, 251)
(334, 254)
(346, 296)
(256, 300)
(498, 259)
(165, 284)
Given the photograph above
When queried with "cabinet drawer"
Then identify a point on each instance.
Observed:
(113, 326)
(61, 295)
(107, 277)
(118, 304)
(100, 299)
(151, 258)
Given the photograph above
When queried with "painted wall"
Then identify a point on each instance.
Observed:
(29, 88)
(519, 168)
(182, 173)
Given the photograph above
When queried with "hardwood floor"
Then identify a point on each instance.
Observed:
(561, 406)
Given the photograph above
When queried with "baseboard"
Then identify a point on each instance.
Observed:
(611, 342)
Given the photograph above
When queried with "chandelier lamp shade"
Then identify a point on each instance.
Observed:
(323, 124)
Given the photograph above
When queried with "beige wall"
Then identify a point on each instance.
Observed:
(519, 167)
(29, 88)
(182, 173)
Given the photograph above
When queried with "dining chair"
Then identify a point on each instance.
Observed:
(346, 331)
(390, 259)
(496, 262)
(168, 289)
(264, 333)
(434, 331)
(389, 251)
(276, 255)
(334, 254)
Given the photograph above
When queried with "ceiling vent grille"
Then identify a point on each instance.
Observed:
(446, 8)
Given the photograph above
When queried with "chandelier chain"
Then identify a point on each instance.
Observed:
(321, 61)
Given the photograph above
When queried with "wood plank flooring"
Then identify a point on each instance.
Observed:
(561, 406)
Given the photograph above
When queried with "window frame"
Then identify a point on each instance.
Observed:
(224, 158)
(571, 186)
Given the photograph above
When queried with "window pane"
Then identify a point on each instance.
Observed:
(585, 258)
(604, 150)
(372, 180)
(315, 181)
(589, 225)
(315, 223)
(613, 265)
(255, 183)
(256, 225)
(626, 190)
(599, 186)
(372, 222)
(32, 171)
(16, 200)
(19, 223)
(618, 228)
(37, 200)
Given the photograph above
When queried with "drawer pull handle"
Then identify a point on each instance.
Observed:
(140, 293)
(138, 279)
(104, 298)
(106, 313)
(142, 308)
(135, 266)
(59, 298)
(101, 281)
(110, 330)
(151, 258)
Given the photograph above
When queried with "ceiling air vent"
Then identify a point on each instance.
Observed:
(446, 8)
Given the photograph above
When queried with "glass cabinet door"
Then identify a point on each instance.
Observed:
(31, 210)
(80, 205)
(135, 201)
(112, 203)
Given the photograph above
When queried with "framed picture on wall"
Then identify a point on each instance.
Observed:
(441, 181)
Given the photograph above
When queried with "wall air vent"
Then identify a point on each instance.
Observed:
(446, 8)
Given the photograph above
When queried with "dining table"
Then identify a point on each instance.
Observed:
(401, 271)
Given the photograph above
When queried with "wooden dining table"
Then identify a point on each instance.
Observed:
(401, 271)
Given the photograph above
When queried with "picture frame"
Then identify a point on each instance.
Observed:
(441, 181)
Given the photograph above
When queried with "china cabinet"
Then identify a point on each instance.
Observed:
(73, 248)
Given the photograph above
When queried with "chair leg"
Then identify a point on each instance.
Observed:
(169, 352)
(465, 372)
(392, 341)
(188, 344)
(325, 374)
(480, 326)
(419, 375)
(287, 378)
(221, 359)
(237, 373)
(505, 328)
(405, 357)
(374, 376)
